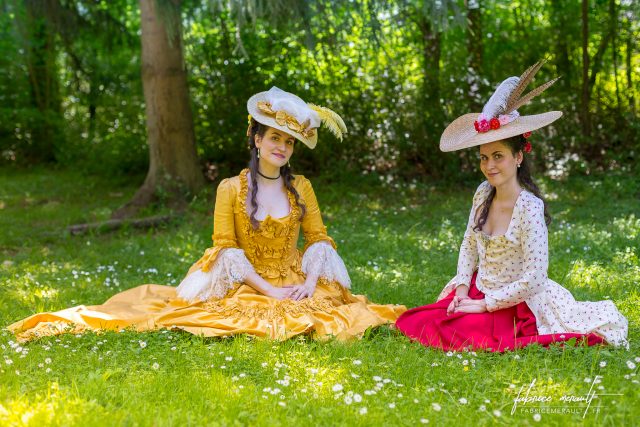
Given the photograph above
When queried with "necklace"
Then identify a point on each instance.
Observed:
(268, 177)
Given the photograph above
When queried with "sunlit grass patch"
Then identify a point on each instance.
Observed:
(400, 245)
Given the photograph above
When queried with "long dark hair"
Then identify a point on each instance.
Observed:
(515, 144)
(259, 129)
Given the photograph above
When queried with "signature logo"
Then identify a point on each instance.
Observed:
(527, 397)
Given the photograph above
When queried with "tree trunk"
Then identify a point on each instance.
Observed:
(43, 80)
(630, 88)
(613, 15)
(431, 50)
(475, 49)
(586, 90)
(560, 22)
(597, 59)
(173, 161)
(429, 105)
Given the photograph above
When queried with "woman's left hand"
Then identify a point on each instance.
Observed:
(303, 291)
(471, 306)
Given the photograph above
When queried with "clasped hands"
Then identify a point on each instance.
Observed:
(295, 293)
(462, 303)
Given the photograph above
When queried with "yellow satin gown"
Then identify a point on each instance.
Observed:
(333, 311)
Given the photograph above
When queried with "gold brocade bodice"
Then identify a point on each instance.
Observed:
(272, 247)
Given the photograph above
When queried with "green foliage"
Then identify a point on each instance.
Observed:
(366, 59)
(399, 242)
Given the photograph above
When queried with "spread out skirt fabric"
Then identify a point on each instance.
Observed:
(332, 312)
(496, 331)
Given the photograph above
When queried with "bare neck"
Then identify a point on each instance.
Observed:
(270, 171)
(509, 191)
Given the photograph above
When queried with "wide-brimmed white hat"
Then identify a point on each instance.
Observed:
(289, 113)
(500, 118)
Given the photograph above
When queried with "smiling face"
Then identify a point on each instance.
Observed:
(498, 164)
(276, 147)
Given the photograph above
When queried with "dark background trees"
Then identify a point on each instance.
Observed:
(72, 74)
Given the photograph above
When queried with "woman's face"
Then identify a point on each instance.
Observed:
(276, 147)
(498, 164)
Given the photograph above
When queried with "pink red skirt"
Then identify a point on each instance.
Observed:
(496, 331)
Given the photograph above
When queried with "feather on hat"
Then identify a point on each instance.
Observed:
(500, 118)
(289, 113)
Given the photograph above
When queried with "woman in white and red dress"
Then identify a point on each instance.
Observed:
(501, 297)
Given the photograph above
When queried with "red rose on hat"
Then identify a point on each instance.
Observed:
(483, 126)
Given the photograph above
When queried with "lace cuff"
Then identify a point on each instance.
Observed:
(322, 259)
(231, 266)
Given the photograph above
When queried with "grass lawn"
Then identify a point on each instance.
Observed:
(400, 245)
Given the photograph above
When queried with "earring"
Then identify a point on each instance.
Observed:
(289, 163)
(259, 155)
(518, 164)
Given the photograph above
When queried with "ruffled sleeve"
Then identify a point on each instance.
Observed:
(322, 259)
(230, 267)
(320, 256)
(224, 231)
(534, 243)
(223, 264)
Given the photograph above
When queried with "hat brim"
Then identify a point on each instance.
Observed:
(260, 117)
(462, 134)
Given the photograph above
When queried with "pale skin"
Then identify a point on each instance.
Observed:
(276, 148)
(499, 165)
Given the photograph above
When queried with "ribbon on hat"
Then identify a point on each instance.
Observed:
(283, 118)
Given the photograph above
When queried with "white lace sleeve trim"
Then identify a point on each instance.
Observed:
(321, 259)
(231, 267)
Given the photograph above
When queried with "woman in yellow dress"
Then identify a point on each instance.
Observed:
(254, 279)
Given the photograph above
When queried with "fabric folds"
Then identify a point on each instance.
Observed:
(214, 301)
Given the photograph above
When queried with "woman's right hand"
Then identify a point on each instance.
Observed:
(279, 293)
(259, 284)
(462, 293)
